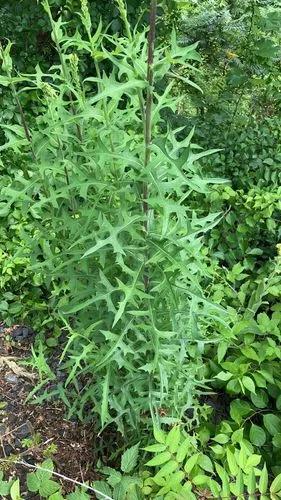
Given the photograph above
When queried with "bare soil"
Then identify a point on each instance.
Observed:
(69, 444)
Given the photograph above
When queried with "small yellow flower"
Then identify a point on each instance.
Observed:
(278, 246)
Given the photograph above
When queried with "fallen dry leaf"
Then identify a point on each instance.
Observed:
(16, 369)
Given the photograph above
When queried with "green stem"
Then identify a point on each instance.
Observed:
(149, 97)
(148, 113)
(23, 121)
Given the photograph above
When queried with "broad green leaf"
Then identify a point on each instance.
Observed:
(172, 483)
(129, 458)
(217, 449)
(78, 494)
(225, 490)
(48, 487)
(155, 448)
(276, 485)
(267, 376)
(276, 440)
(234, 386)
(159, 459)
(237, 436)
(205, 463)
(4, 485)
(231, 461)
(239, 484)
(225, 428)
(221, 438)
(257, 435)
(48, 467)
(252, 461)
(160, 481)
(204, 435)
(239, 409)
(200, 479)
(191, 462)
(260, 380)
(248, 384)
(251, 484)
(224, 376)
(183, 450)
(221, 473)
(186, 492)
(114, 476)
(214, 487)
(260, 399)
(250, 353)
(58, 496)
(159, 435)
(102, 487)
(263, 481)
(272, 423)
(173, 439)
(167, 469)
(242, 458)
(32, 481)
(222, 349)
(15, 490)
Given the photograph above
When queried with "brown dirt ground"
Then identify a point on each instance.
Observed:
(74, 456)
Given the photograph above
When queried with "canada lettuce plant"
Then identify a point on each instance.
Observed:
(115, 246)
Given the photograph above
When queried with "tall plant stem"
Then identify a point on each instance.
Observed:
(148, 111)
(149, 99)
(23, 121)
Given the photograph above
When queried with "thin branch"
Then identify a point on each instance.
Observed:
(150, 80)
(23, 121)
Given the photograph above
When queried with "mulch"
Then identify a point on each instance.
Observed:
(45, 425)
